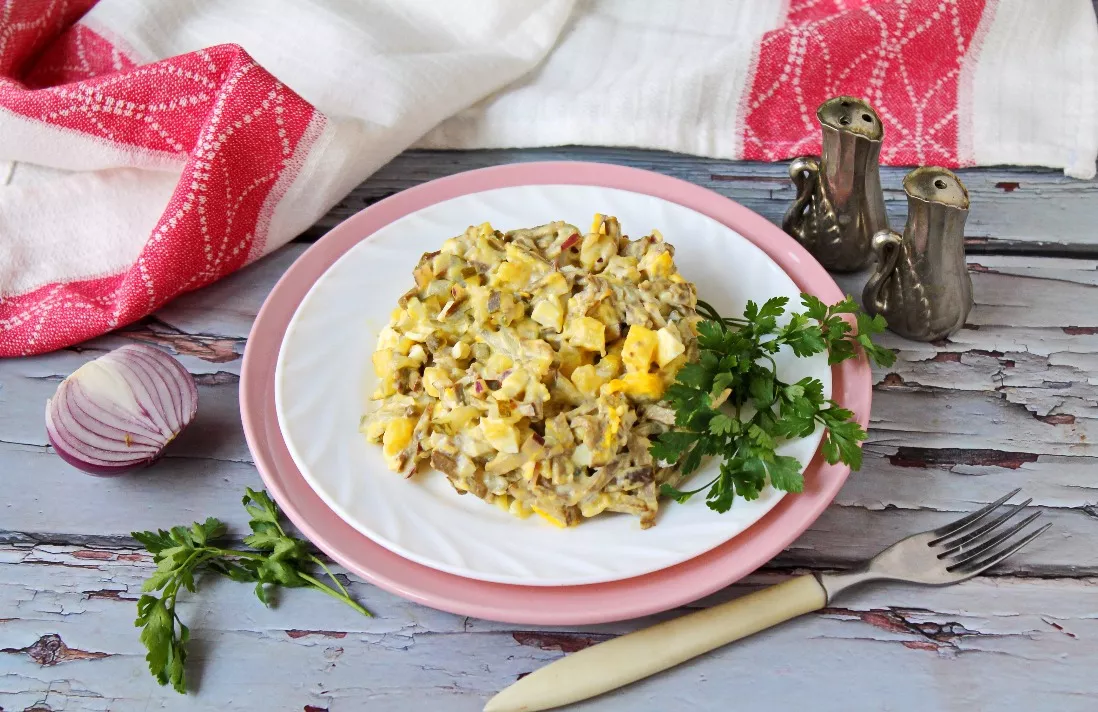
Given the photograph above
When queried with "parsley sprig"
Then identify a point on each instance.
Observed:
(181, 553)
(730, 402)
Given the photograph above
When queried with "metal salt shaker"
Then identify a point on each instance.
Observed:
(921, 283)
(839, 205)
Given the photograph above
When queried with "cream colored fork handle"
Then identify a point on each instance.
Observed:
(610, 665)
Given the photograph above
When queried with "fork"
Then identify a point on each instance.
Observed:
(949, 554)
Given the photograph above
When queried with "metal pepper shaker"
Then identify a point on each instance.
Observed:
(921, 283)
(839, 205)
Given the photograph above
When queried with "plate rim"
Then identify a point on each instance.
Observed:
(328, 491)
(540, 605)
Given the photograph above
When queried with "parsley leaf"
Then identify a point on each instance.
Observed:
(841, 337)
(669, 446)
(785, 474)
(730, 402)
(867, 327)
(721, 424)
(180, 553)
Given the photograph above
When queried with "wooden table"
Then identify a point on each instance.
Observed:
(1008, 402)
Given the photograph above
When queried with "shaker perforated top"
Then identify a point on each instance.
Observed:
(936, 185)
(848, 113)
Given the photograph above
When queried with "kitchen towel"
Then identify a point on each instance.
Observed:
(147, 149)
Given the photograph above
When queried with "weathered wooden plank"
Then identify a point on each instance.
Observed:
(954, 425)
(228, 308)
(891, 500)
(1008, 401)
(974, 402)
(1044, 364)
(216, 432)
(67, 642)
(1012, 207)
(916, 467)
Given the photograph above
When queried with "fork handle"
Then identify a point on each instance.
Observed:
(620, 661)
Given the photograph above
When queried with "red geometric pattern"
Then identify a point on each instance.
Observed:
(26, 27)
(78, 54)
(239, 135)
(232, 126)
(904, 56)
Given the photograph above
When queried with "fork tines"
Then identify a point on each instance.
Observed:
(967, 543)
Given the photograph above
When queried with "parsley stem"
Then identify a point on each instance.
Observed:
(736, 368)
(182, 556)
(237, 553)
(341, 595)
(321, 564)
(690, 493)
(329, 591)
(188, 563)
(709, 312)
(706, 309)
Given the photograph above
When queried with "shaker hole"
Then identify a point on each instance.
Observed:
(867, 117)
(940, 184)
(844, 120)
(844, 104)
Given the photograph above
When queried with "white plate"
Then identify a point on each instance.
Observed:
(323, 380)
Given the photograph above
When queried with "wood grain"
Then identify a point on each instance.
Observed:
(1034, 211)
(69, 644)
(1009, 401)
(954, 425)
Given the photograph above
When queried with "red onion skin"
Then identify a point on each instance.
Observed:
(62, 450)
(99, 470)
(182, 404)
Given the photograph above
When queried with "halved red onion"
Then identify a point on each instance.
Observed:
(118, 412)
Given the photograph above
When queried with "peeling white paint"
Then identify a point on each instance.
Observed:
(1011, 403)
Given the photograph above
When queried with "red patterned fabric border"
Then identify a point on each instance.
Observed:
(233, 126)
(904, 57)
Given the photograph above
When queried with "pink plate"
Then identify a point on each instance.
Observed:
(561, 605)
